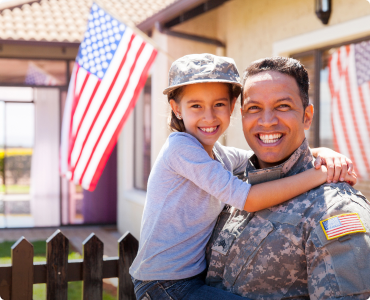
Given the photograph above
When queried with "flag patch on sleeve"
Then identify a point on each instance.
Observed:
(340, 225)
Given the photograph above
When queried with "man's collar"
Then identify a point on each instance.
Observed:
(299, 161)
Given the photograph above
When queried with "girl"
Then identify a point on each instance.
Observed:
(192, 179)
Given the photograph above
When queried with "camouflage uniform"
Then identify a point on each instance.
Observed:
(282, 252)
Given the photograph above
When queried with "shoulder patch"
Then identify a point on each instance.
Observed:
(340, 225)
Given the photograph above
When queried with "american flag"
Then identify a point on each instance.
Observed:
(340, 225)
(349, 82)
(37, 76)
(110, 71)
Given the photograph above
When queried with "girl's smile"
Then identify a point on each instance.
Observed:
(205, 109)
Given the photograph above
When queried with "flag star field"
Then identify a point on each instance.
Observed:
(100, 42)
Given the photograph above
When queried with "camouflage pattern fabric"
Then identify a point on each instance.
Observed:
(282, 252)
(200, 68)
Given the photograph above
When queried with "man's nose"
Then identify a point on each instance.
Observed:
(268, 118)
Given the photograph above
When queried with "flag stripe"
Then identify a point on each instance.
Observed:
(112, 111)
(351, 106)
(129, 95)
(86, 100)
(338, 102)
(113, 141)
(106, 84)
(111, 69)
(347, 101)
(97, 123)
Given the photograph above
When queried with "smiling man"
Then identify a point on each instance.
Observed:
(314, 246)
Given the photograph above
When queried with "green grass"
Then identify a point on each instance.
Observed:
(39, 290)
(15, 189)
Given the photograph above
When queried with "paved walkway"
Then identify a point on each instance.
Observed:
(76, 235)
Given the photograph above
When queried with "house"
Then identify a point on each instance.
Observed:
(39, 41)
(246, 31)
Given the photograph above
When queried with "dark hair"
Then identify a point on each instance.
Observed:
(284, 65)
(178, 125)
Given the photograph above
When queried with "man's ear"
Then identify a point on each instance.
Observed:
(233, 105)
(175, 107)
(308, 116)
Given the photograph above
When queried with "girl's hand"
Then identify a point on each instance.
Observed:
(340, 167)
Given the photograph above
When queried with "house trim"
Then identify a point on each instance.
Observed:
(323, 37)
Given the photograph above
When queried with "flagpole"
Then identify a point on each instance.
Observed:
(136, 30)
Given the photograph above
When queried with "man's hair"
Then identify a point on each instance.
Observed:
(284, 65)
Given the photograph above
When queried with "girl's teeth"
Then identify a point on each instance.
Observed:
(209, 129)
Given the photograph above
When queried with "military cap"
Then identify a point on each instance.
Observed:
(200, 68)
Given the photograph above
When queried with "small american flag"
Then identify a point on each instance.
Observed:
(110, 71)
(37, 76)
(349, 82)
(340, 225)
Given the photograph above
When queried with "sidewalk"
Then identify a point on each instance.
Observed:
(76, 235)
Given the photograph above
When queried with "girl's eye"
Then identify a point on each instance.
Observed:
(220, 104)
(196, 106)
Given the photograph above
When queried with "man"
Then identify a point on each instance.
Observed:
(314, 246)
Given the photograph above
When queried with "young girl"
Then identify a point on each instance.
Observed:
(192, 179)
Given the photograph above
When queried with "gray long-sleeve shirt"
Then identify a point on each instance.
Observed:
(186, 192)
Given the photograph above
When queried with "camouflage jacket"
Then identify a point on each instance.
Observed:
(284, 251)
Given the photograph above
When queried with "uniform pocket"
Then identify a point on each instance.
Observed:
(248, 243)
(267, 264)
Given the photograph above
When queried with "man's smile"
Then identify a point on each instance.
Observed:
(269, 139)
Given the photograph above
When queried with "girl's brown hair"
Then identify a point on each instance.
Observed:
(178, 125)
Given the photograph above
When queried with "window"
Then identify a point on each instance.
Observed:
(342, 102)
(16, 150)
(142, 138)
(33, 72)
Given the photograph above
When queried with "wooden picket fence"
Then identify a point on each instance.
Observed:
(17, 279)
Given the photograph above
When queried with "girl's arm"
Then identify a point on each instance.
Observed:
(274, 192)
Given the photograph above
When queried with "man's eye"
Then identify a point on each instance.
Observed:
(284, 106)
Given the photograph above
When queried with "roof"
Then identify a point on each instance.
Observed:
(65, 21)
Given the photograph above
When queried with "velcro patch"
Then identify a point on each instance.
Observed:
(340, 225)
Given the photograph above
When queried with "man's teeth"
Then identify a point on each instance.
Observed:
(270, 138)
(208, 129)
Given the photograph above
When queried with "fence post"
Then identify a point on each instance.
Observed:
(128, 246)
(22, 270)
(57, 247)
(92, 268)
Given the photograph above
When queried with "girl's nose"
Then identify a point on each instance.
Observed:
(209, 115)
(268, 119)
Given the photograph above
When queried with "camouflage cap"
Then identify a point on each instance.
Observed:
(199, 68)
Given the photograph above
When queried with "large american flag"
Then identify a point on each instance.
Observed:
(110, 70)
(349, 82)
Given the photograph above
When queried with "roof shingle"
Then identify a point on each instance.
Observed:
(65, 20)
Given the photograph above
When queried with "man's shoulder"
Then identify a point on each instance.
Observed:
(328, 199)
(334, 196)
